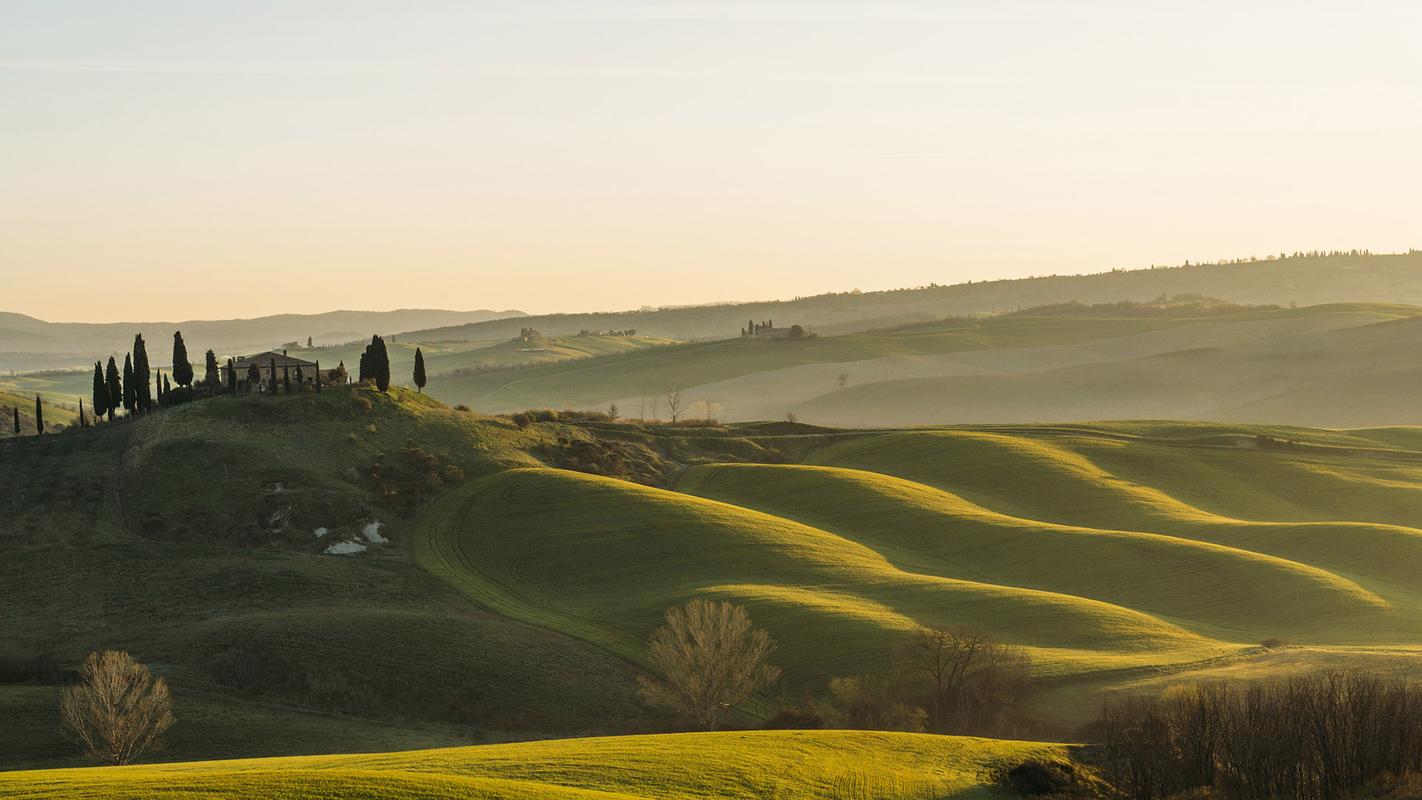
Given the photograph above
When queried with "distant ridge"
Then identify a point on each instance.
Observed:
(30, 343)
(1356, 276)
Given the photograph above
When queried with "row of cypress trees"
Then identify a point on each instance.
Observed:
(130, 390)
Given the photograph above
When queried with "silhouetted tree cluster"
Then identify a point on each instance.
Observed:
(375, 364)
(1316, 737)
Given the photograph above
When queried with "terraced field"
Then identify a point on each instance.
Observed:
(1108, 552)
(828, 765)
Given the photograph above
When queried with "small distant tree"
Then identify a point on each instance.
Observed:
(612, 412)
(673, 395)
(118, 710)
(39, 416)
(843, 379)
(100, 399)
(211, 372)
(710, 659)
(419, 370)
(254, 376)
(114, 384)
(308, 343)
(182, 368)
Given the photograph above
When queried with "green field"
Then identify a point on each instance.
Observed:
(508, 597)
(826, 765)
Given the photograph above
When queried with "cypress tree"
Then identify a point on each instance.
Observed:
(318, 377)
(130, 392)
(83, 423)
(212, 378)
(231, 376)
(182, 368)
(39, 417)
(100, 393)
(379, 366)
(158, 383)
(419, 370)
(254, 376)
(272, 382)
(142, 375)
(114, 384)
(167, 388)
(17, 420)
(286, 378)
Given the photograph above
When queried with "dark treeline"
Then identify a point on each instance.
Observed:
(1318, 737)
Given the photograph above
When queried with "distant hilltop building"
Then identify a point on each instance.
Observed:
(297, 369)
(767, 330)
(529, 335)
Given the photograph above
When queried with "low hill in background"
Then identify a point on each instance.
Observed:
(1282, 281)
(27, 343)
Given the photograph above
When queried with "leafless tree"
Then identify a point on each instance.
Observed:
(971, 677)
(672, 393)
(710, 658)
(118, 710)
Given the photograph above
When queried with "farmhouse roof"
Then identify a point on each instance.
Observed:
(265, 360)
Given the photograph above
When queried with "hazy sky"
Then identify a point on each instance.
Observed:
(214, 159)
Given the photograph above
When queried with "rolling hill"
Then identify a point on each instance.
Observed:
(1249, 365)
(1305, 280)
(792, 765)
(355, 571)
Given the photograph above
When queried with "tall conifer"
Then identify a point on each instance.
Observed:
(419, 370)
(211, 374)
(39, 416)
(130, 391)
(114, 385)
(142, 376)
(100, 399)
(182, 368)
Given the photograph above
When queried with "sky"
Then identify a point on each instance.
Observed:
(179, 160)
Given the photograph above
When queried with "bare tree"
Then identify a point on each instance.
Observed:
(118, 710)
(711, 659)
(843, 379)
(971, 676)
(672, 393)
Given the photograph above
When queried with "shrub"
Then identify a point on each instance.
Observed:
(1036, 778)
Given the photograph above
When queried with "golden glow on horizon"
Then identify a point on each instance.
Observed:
(557, 156)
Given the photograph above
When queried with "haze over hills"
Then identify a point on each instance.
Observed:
(1301, 280)
(29, 343)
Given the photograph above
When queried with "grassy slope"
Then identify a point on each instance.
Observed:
(753, 766)
(55, 416)
(1067, 541)
(186, 538)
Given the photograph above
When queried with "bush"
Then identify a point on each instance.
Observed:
(1036, 778)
